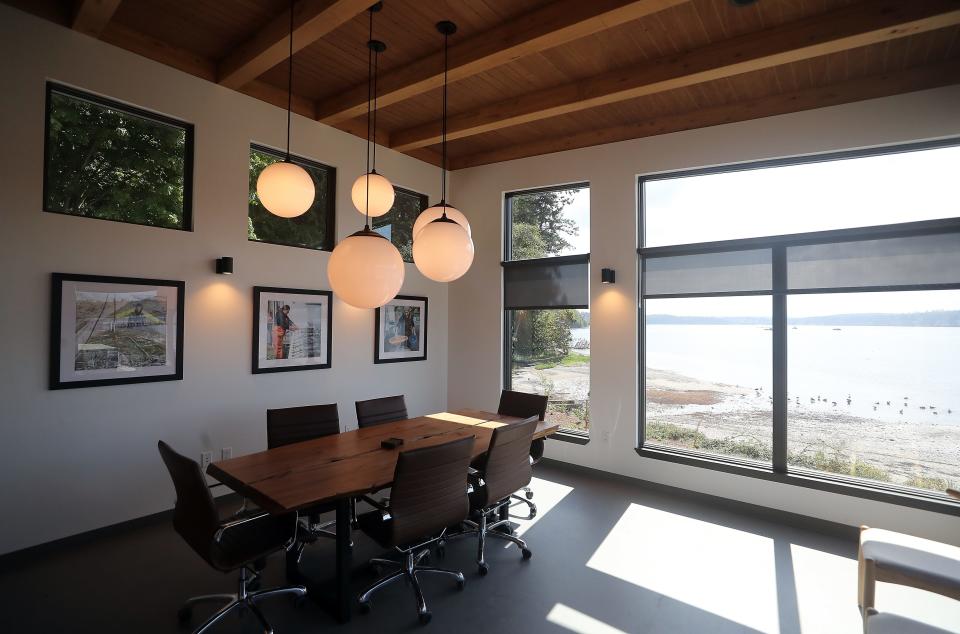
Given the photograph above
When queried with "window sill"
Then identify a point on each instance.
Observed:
(569, 435)
(811, 480)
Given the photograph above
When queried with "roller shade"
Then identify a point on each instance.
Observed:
(559, 282)
(898, 261)
(724, 272)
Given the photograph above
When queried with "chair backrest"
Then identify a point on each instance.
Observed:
(295, 424)
(506, 468)
(195, 516)
(429, 490)
(522, 404)
(378, 411)
(525, 405)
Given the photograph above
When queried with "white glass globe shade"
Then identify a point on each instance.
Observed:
(365, 270)
(443, 251)
(381, 194)
(285, 189)
(432, 213)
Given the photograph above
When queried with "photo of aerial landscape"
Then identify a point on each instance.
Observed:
(120, 330)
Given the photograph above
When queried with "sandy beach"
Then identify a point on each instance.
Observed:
(907, 452)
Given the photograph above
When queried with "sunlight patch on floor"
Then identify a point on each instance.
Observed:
(714, 568)
(826, 591)
(546, 495)
(576, 621)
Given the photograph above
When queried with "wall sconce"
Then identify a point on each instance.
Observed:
(608, 276)
(225, 265)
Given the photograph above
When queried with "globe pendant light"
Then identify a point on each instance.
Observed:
(284, 188)
(442, 246)
(372, 194)
(365, 269)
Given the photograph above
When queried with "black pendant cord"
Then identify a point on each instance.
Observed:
(376, 64)
(366, 205)
(443, 129)
(290, 81)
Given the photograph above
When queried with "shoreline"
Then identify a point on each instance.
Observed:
(906, 452)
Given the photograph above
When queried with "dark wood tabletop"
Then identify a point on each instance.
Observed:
(352, 463)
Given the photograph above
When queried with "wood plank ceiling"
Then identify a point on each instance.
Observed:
(531, 77)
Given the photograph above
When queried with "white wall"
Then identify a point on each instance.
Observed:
(78, 459)
(475, 357)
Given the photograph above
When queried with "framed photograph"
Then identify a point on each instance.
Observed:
(115, 330)
(291, 329)
(401, 330)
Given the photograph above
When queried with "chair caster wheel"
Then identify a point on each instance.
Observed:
(365, 607)
(299, 602)
(184, 614)
(483, 569)
(425, 617)
(441, 552)
(527, 553)
(529, 495)
(461, 582)
(533, 513)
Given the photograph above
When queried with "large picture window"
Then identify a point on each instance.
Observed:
(798, 320)
(397, 224)
(314, 229)
(111, 161)
(547, 299)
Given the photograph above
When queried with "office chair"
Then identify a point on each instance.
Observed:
(429, 494)
(236, 544)
(504, 469)
(378, 411)
(290, 425)
(525, 405)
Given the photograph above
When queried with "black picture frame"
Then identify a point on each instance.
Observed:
(378, 316)
(57, 337)
(104, 102)
(256, 362)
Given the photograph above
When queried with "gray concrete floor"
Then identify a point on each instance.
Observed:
(610, 556)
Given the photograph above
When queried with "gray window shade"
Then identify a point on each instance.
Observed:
(726, 272)
(912, 260)
(562, 282)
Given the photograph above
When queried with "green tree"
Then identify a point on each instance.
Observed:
(400, 219)
(308, 230)
(539, 229)
(544, 212)
(110, 164)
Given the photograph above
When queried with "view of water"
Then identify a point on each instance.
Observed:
(916, 366)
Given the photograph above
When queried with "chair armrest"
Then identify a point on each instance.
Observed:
(226, 526)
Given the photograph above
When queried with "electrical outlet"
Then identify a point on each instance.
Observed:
(226, 453)
(206, 457)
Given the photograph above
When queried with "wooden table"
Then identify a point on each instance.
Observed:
(339, 467)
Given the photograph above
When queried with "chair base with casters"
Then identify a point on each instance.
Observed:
(408, 569)
(241, 600)
(482, 527)
(526, 498)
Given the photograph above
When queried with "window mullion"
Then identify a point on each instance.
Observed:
(779, 330)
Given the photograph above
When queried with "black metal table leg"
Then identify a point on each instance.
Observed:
(344, 560)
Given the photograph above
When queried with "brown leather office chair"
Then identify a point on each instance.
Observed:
(429, 494)
(289, 425)
(225, 545)
(505, 468)
(377, 411)
(525, 405)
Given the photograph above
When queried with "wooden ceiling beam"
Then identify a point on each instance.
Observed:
(851, 27)
(312, 19)
(873, 87)
(92, 16)
(552, 25)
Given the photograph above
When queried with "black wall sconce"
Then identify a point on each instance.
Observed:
(608, 276)
(225, 265)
